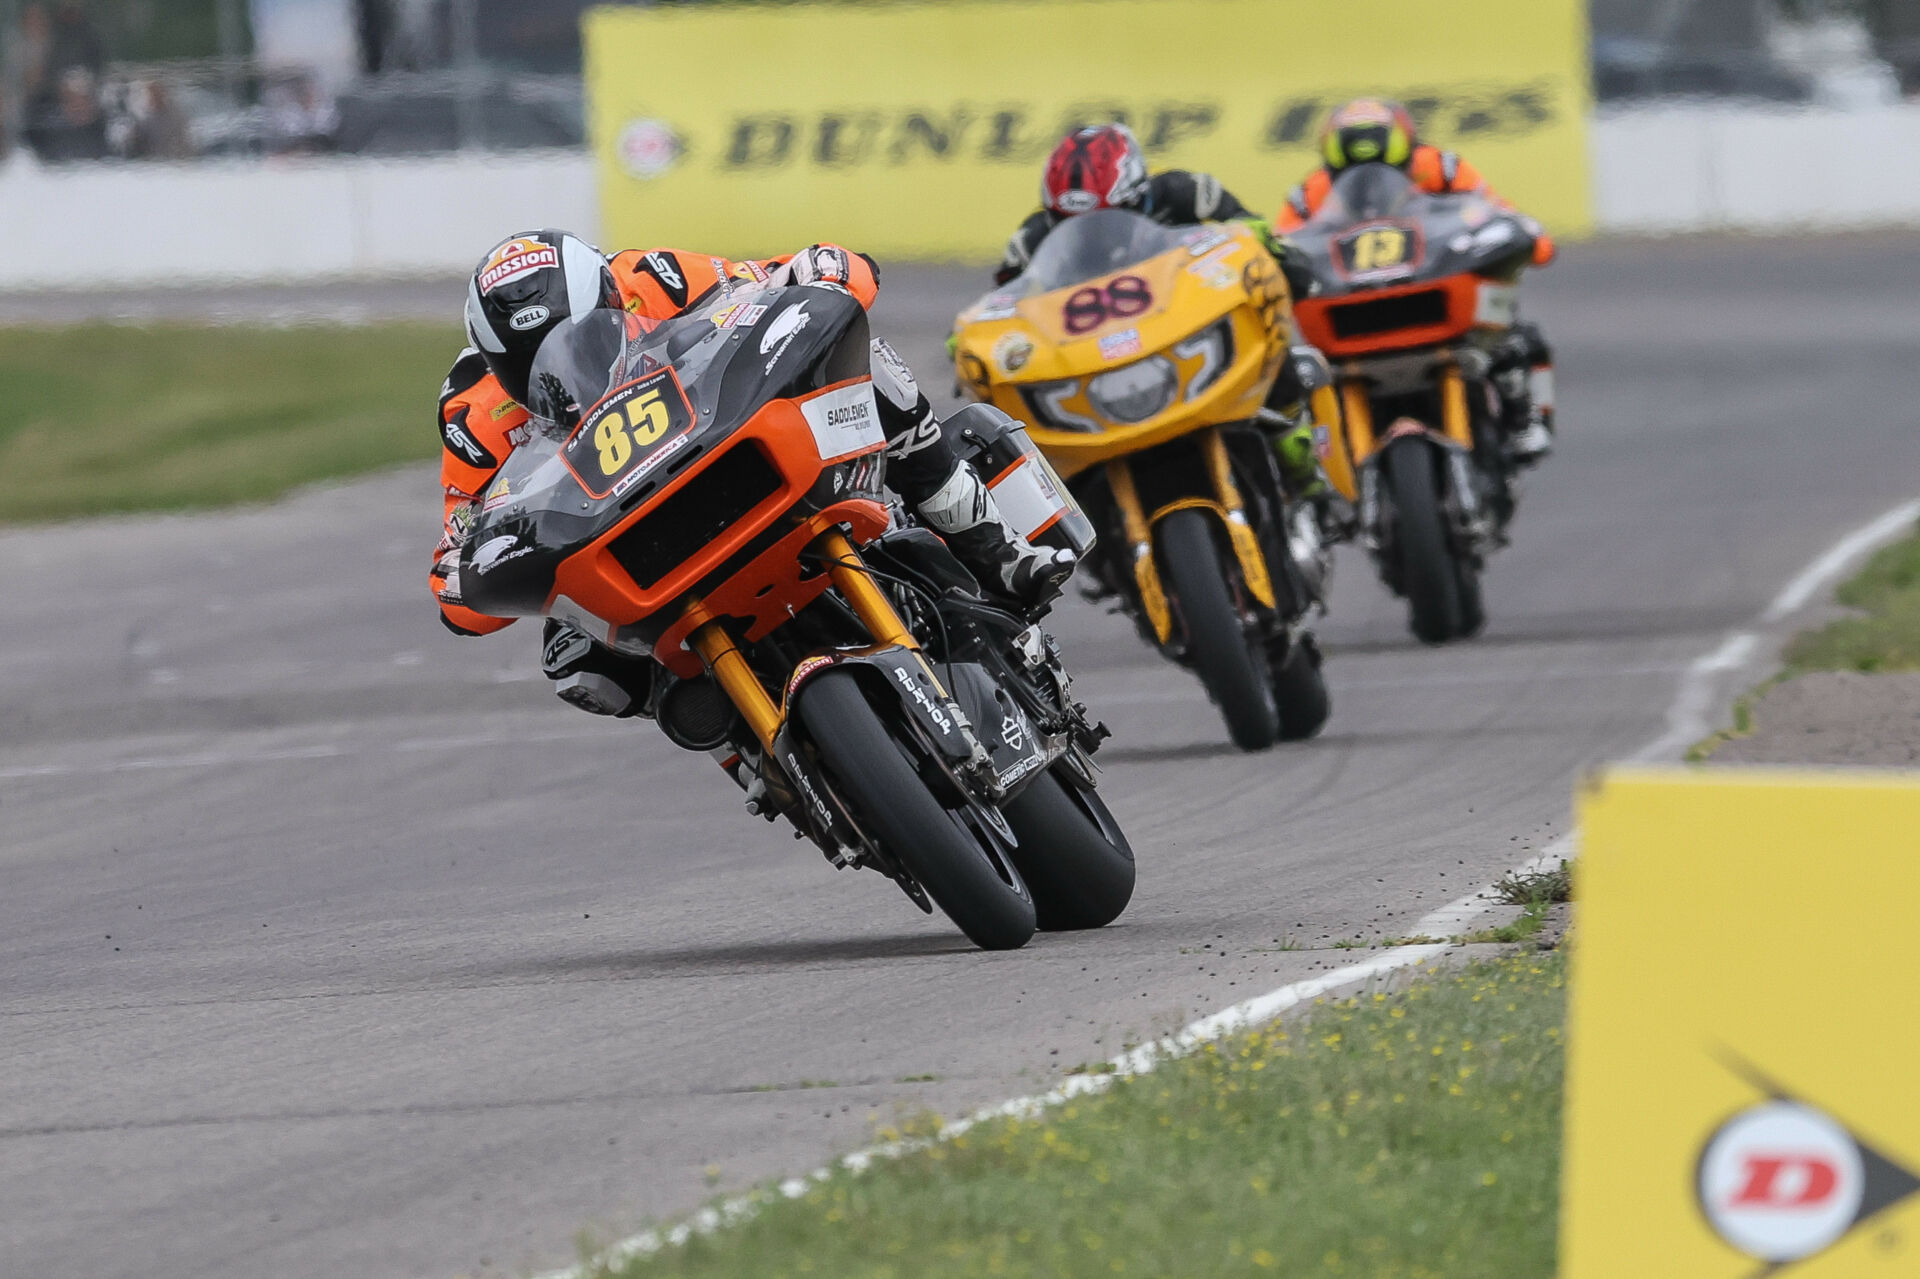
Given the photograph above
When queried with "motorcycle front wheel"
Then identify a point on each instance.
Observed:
(1430, 576)
(1228, 661)
(874, 772)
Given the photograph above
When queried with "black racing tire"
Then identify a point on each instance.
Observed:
(873, 774)
(1473, 611)
(1429, 574)
(1300, 690)
(1230, 663)
(1073, 854)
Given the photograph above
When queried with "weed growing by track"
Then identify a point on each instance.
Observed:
(1887, 637)
(1884, 637)
(1413, 1136)
(109, 418)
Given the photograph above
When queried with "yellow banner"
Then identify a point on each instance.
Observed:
(919, 130)
(1740, 1093)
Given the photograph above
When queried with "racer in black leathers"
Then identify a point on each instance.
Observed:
(1103, 167)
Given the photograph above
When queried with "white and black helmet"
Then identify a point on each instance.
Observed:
(521, 291)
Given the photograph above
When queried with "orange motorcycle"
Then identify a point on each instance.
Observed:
(1418, 293)
(712, 497)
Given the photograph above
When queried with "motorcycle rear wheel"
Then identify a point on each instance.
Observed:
(1300, 690)
(873, 772)
(1073, 854)
(1429, 574)
(1228, 661)
(1473, 613)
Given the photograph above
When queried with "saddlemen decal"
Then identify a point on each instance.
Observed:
(844, 421)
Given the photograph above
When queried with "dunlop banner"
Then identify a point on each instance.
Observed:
(919, 130)
(1740, 1097)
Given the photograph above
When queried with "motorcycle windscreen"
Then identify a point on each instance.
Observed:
(1399, 231)
(1093, 245)
(1364, 193)
(621, 404)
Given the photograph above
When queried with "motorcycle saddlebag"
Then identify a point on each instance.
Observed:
(1028, 491)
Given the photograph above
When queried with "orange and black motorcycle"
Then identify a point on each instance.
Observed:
(1418, 293)
(713, 498)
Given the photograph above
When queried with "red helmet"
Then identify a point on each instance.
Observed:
(1098, 167)
(1366, 130)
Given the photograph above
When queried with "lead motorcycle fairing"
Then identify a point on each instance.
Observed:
(716, 502)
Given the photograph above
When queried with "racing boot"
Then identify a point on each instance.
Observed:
(1532, 442)
(594, 677)
(1527, 413)
(1302, 476)
(963, 513)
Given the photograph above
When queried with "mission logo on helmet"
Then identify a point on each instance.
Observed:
(516, 260)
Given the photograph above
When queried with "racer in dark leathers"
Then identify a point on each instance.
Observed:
(1371, 130)
(1103, 167)
(530, 283)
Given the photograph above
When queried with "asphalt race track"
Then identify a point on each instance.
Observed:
(333, 945)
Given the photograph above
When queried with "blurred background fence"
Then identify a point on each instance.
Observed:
(1696, 101)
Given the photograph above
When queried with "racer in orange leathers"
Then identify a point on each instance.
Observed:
(530, 283)
(1372, 130)
(481, 423)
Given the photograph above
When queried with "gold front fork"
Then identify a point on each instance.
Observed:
(1246, 547)
(1146, 575)
(735, 676)
(729, 668)
(1356, 414)
(869, 602)
(1453, 407)
(1339, 460)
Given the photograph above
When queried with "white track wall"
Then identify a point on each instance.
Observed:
(1657, 170)
(255, 221)
(1752, 168)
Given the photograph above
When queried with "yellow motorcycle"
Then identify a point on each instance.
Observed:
(1140, 357)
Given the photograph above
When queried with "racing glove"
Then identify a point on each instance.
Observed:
(1301, 282)
(445, 573)
(446, 578)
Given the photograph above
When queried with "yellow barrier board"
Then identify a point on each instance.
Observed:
(1740, 1092)
(919, 130)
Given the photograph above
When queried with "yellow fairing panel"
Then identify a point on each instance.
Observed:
(1171, 309)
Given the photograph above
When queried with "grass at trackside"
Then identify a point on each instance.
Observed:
(1887, 637)
(106, 418)
(1412, 1136)
(1884, 637)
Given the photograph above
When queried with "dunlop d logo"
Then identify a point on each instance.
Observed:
(1783, 1180)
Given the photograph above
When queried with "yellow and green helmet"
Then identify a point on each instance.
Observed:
(1368, 130)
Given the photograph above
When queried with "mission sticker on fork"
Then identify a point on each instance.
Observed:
(637, 427)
